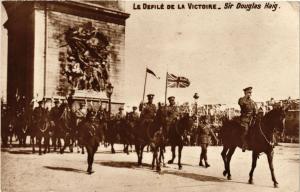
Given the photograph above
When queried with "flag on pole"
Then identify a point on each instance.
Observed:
(174, 81)
(152, 73)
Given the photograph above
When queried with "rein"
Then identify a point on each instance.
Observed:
(264, 136)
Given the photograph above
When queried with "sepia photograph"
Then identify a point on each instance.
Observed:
(124, 95)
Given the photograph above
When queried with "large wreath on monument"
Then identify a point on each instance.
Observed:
(87, 65)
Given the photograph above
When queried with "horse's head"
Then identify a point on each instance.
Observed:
(276, 118)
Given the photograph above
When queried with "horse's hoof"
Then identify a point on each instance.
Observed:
(158, 169)
(250, 181)
(170, 162)
(224, 173)
(40, 153)
(276, 185)
(179, 167)
(164, 165)
(229, 177)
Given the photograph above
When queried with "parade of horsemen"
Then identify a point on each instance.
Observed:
(146, 128)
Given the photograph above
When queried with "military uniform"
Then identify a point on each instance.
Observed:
(80, 115)
(54, 117)
(248, 111)
(148, 111)
(204, 137)
(120, 115)
(90, 139)
(39, 114)
(172, 114)
(133, 117)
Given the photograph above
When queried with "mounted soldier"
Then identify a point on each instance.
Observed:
(248, 112)
(133, 117)
(54, 117)
(172, 114)
(148, 110)
(80, 113)
(120, 115)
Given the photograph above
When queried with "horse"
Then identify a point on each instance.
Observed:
(66, 125)
(177, 136)
(21, 127)
(262, 136)
(144, 134)
(8, 122)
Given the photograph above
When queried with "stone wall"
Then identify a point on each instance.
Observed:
(57, 24)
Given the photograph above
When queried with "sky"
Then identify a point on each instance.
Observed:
(219, 51)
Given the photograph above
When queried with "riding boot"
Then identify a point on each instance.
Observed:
(244, 143)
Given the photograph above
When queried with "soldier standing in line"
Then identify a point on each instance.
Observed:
(248, 112)
(172, 114)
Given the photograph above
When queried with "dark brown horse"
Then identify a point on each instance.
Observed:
(177, 136)
(261, 139)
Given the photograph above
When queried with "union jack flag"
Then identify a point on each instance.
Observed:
(174, 81)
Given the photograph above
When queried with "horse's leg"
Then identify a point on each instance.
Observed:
(162, 151)
(39, 141)
(229, 155)
(157, 160)
(137, 150)
(224, 154)
(154, 156)
(180, 147)
(66, 143)
(32, 142)
(141, 154)
(112, 148)
(54, 142)
(173, 154)
(270, 155)
(254, 160)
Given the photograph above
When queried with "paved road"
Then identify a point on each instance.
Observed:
(23, 171)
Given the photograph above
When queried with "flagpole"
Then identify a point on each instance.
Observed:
(144, 86)
(166, 89)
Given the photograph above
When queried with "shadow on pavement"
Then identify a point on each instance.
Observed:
(18, 151)
(194, 176)
(65, 169)
(122, 164)
(109, 152)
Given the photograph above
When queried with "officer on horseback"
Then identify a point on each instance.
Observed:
(148, 110)
(80, 113)
(133, 117)
(54, 117)
(172, 114)
(120, 115)
(248, 112)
